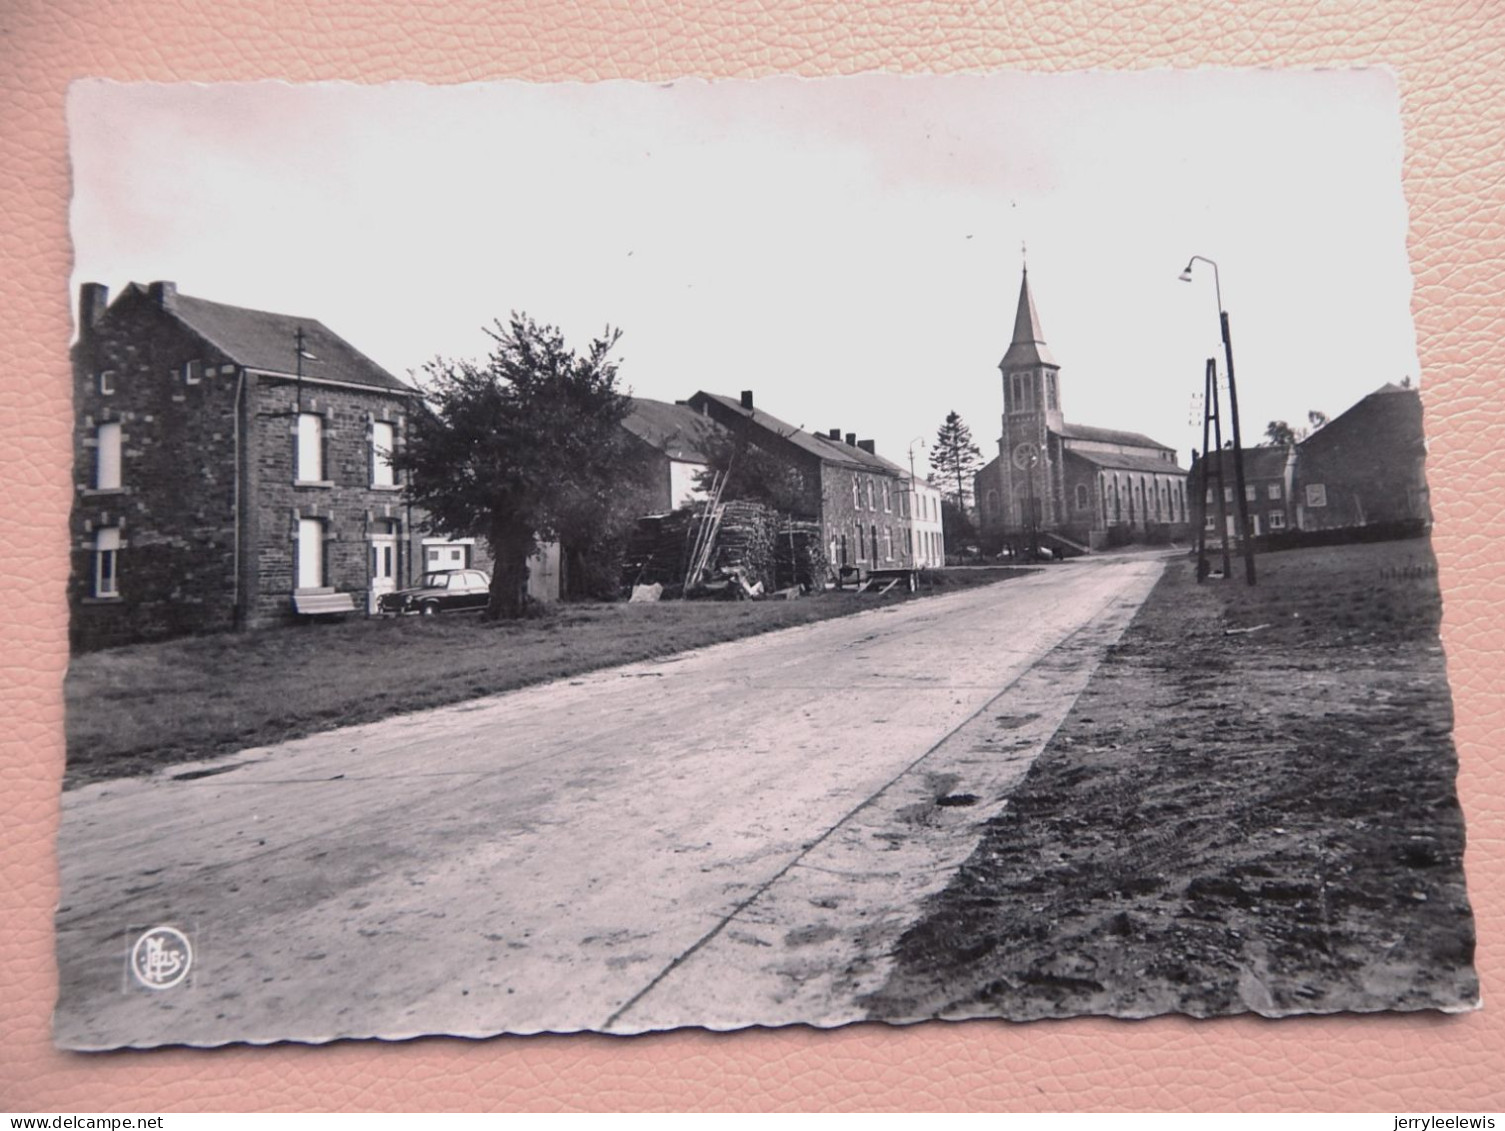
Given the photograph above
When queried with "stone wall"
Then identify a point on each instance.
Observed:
(174, 509)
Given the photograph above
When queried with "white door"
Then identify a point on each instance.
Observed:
(383, 567)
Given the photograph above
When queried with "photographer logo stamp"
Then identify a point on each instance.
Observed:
(161, 958)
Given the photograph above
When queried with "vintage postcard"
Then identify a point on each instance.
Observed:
(618, 557)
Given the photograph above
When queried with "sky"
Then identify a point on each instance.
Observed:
(849, 249)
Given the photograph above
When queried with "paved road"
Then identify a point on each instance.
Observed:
(733, 836)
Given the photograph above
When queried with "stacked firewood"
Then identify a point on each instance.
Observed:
(752, 551)
(746, 543)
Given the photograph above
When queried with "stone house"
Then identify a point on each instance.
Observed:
(860, 499)
(1082, 485)
(1268, 489)
(231, 470)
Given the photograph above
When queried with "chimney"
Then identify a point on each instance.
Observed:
(93, 298)
(163, 294)
(747, 399)
(835, 434)
(851, 439)
(867, 446)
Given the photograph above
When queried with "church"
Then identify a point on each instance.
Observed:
(1070, 487)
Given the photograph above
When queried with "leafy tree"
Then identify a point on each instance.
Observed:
(955, 459)
(752, 474)
(1279, 434)
(524, 447)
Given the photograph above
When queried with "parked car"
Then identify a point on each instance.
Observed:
(441, 591)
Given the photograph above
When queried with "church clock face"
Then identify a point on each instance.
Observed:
(1026, 455)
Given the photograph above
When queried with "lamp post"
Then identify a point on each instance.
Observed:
(1238, 447)
(914, 499)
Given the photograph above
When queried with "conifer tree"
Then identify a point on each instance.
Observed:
(954, 460)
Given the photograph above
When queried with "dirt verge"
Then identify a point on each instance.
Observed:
(1251, 807)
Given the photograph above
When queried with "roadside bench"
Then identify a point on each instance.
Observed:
(323, 604)
(878, 581)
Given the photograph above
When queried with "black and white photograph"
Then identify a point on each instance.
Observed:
(620, 557)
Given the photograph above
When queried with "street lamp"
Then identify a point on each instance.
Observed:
(1238, 447)
(914, 500)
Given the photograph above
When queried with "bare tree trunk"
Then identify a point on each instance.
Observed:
(510, 548)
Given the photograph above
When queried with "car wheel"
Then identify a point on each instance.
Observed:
(428, 608)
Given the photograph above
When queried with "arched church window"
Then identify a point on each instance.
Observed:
(1081, 496)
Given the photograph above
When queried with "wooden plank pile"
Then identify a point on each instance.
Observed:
(734, 549)
(657, 551)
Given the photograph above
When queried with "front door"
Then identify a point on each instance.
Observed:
(383, 567)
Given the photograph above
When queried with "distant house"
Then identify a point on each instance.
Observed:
(1268, 490)
(924, 511)
(1091, 486)
(860, 499)
(1364, 468)
(674, 442)
(232, 469)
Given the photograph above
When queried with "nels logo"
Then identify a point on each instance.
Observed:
(161, 958)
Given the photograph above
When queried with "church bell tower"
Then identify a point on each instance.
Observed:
(1031, 411)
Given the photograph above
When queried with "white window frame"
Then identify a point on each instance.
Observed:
(1277, 520)
(1273, 491)
(107, 382)
(308, 448)
(309, 550)
(887, 501)
(107, 562)
(382, 473)
(107, 441)
(856, 494)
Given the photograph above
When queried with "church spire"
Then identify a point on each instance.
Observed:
(1028, 346)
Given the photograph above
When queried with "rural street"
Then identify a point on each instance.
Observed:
(728, 837)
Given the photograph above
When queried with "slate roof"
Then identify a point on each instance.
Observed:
(1028, 346)
(677, 430)
(1259, 463)
(1112, 462)
(259, 339)
(823, 447)
(1109, 436)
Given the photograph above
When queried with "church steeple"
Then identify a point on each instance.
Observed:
(1028, 346)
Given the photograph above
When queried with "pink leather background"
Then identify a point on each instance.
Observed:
(1450, 59)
